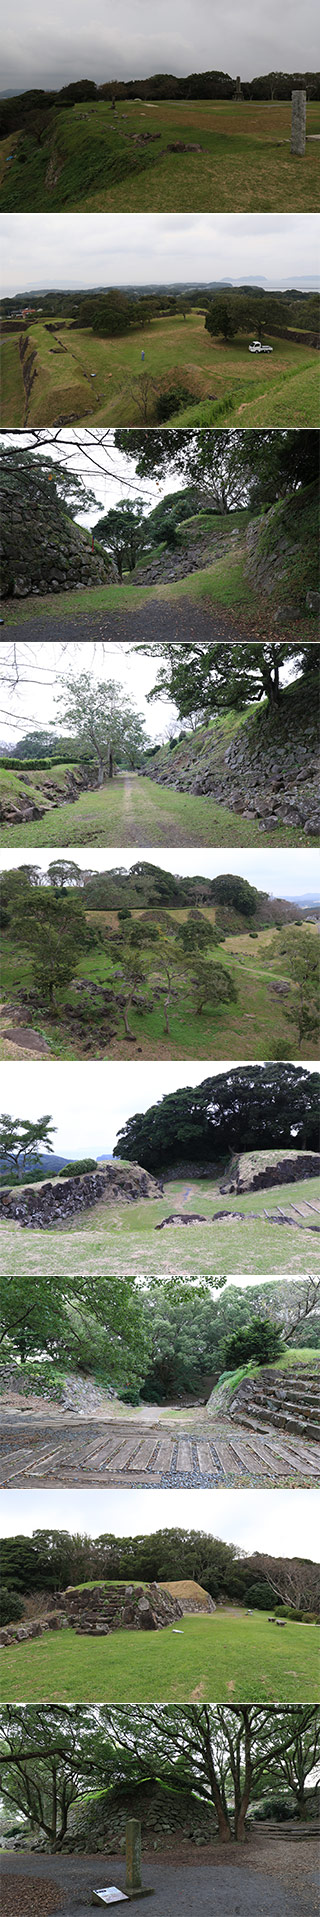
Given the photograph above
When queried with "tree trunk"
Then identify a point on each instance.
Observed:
(110, 764)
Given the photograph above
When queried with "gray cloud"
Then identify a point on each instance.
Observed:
(77, 41)
(90, 250)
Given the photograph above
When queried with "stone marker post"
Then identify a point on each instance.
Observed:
(298, 121)
(133, 1884)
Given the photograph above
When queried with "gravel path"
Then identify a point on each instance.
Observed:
(278, 1880)
(185, 619)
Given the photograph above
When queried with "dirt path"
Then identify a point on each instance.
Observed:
(184, 619)
(274, 1878)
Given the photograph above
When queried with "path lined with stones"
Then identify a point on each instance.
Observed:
(119, 1456)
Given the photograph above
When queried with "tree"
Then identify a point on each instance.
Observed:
(252, 1107)
(53, 928)
(195, 934)
(261, 1340)
(222, 317)
(211, 678)
(225, 1755)
(20, 1139)
(63, 873)
(84, 1322)
(211, 986)
(122, 532)
(47, 1758)
(295, 1581)
(102, 716)
(300, 949)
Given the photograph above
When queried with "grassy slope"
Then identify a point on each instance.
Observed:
(294, 400)
(175, 349)
(229, 1656)
(231, 1029)
(120, 1239)
(245, 164)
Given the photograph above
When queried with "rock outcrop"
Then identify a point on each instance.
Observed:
(41, 1206)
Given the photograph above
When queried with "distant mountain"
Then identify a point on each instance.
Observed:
(306, 898)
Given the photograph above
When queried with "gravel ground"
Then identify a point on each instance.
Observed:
(273, 1879)
(186, 620)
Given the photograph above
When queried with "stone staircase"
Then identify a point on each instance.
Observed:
(124, 1455)
(284, 1400)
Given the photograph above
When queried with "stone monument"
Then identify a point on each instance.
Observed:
(133, 1884)
(298, 121)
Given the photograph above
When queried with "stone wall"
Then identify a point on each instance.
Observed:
(269, 772)
(40, 1206)
(51, 792)
(258, 1171)
(160, 1808)
(42, 550)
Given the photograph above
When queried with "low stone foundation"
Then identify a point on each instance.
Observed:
(258, 1171)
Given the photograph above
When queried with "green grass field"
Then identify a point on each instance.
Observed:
(228, 1031)
(118, 1239)
(245, 163)
(137, 811)
(229, 1656)
(176, 350)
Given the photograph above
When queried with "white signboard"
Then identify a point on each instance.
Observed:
(111, 1896)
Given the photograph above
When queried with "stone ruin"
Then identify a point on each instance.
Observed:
(96, 1610)
(258, 1171)
(39, 1207)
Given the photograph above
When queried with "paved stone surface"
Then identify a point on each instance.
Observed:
(121, 1455)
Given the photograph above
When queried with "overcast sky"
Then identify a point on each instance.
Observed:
(284, 874)
(33, 703)
(281, 1522)
(90, 1102)
(40, 48)
(142, 248)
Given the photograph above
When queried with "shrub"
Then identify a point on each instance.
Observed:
(260, 1340)
(260, 1597)
(11, 1606)
(124, 913)
(253, 935)
(75, 1169)
(170, 401)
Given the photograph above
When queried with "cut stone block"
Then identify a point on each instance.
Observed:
(298, 121)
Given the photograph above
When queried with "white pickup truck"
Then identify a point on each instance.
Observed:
(257, 347)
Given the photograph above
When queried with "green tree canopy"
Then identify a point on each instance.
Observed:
(248, 1108)
(20, 1139)
(122, 531)
(103, 717)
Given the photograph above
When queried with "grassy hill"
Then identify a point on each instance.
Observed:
(82, 1026)
(86, 157)
(81, 377)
